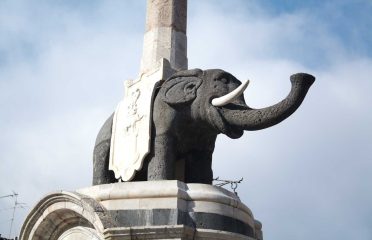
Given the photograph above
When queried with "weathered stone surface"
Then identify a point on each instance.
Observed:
(177, 232)
(164, 42)
(131, 127)
(185, 125)
(174, 203)
(58, 212)
(80, 233)
(165, 35)
(166, 13)
(90, 211)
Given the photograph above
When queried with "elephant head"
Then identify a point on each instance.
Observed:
(214, 99)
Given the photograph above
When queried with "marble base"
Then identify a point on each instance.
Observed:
(142, 210)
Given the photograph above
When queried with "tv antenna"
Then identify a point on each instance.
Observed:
(17, 204)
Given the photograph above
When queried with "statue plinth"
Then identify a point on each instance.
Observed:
(142, 210)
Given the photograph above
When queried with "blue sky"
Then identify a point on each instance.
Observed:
(63, 63)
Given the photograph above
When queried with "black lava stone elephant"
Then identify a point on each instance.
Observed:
(189, 110)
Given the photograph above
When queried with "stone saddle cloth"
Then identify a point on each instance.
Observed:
(131, 129)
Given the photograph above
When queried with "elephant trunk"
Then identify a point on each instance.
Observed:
(256, 119)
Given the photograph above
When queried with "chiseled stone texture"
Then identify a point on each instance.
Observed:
(164, 42)
(142, 210)
(165, 35)
(166, 13)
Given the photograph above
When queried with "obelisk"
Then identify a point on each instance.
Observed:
(165, 35)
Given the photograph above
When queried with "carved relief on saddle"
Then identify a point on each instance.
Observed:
(131, 128)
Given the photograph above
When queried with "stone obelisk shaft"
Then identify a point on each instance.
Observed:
(165, 35)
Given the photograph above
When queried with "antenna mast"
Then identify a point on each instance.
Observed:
(16, 204)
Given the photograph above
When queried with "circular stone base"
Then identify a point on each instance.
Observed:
(143, 210)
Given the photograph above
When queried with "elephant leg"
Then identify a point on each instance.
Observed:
(101, 155)
(101, 174)
(162, 165)
(198, 168)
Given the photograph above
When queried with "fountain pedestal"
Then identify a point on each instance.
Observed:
(142, 210)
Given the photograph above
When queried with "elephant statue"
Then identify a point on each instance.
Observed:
(189, 110)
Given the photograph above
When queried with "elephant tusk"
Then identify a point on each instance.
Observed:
(230, 97)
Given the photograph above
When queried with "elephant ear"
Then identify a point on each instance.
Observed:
(180, 90)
